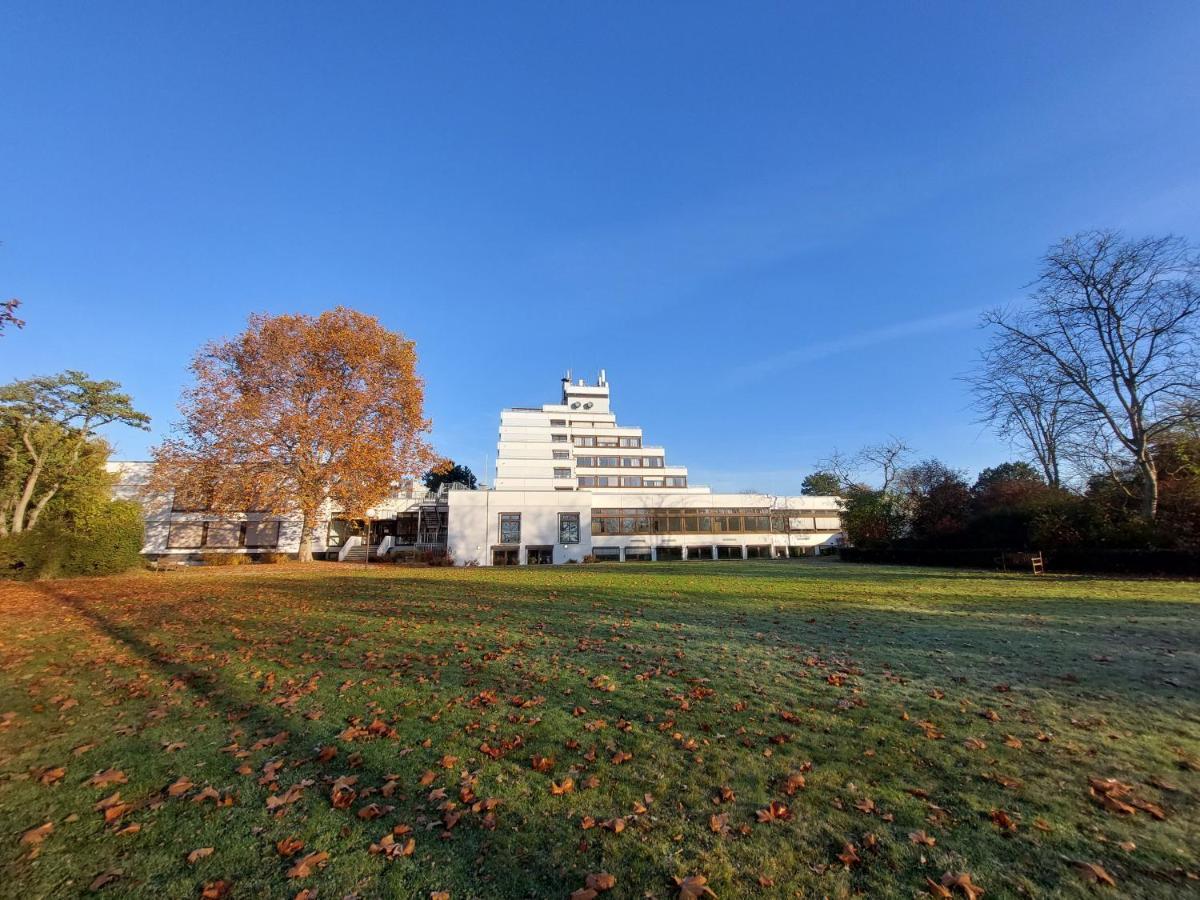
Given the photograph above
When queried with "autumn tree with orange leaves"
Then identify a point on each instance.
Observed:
(295, 412)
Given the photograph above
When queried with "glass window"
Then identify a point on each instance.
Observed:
(584, 441)
(262, 534)
(559, 438)
(562, 454)
(587, 480)
(562, 473)
(607, 441)
(186, 535)
(652, 482)
(631, 442)
(568, 528)
(539, 556)
(609, 461)
(631, 481)
(510, 528)
(558, 423)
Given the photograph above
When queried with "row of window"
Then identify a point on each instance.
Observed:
(701, 521)
(223, 535)
(632, 481)
(704, 522)
(602, 440)
(568, 528)
(620, 462)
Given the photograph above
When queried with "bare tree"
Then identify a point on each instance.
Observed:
(886, 457)
(1028, 406)
(1113, 323)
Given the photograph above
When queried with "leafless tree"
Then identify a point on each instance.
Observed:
(1113, 323)
(1030, 407)
(886, 457)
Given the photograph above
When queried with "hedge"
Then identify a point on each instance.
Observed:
(1105, 561)
(111, 542)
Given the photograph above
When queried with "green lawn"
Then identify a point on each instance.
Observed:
(533, 727)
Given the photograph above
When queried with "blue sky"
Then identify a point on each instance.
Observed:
(774, 225)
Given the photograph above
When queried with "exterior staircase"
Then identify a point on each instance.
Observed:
(360, 554)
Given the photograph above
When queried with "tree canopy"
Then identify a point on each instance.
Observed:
(296, 412)
(49, 443)
(450, 472)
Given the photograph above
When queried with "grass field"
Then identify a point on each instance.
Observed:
(780, 729)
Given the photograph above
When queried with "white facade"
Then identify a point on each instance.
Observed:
(571, 485)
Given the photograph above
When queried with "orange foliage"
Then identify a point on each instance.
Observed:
(298, 411)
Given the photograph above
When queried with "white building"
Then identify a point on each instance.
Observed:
(571, 484)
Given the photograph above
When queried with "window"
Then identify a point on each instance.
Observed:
(568, 528)
(606, 441)
(587, 461)
(611, 462)
(652, 482)
(607, 553)
(637, 554)
(505, 556)
(631, 442)
(510, 528)
(562, 473)
(584, 441)
(261, 535)
(562, 454)
(186, 535)
(539, 556)
(699, 553)
(631, 481)
(761, 551)
(676, 481)
(631, 462)
(225, 535)
(559, 438)
(729, 552)
(607, 481)
(558, 423)
(652, 462)
(669, 554)
(587, 480)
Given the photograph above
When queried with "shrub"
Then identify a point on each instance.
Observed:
(590, 558)
(272, 557)
(224, 559)
(109, 542)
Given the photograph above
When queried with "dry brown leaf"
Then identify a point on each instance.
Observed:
(1094, 873)
(306, 865)
(601, 881)
(693, 887)
(198, 854)
(38, 834)
(962, 881)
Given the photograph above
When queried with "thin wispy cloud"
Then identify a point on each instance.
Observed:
(872, 337)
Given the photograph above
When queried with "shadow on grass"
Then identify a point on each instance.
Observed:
(510, 851)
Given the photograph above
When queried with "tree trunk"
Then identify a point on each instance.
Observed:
(1149, 477)
(306, 534)
(18, 516)
(41, 504)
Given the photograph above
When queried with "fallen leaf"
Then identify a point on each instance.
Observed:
(601, 881)
(306, 865)
(106, 877)
(1094, 873)
(693, 887)
(962, 881)
(38, 834)
(196, 855)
